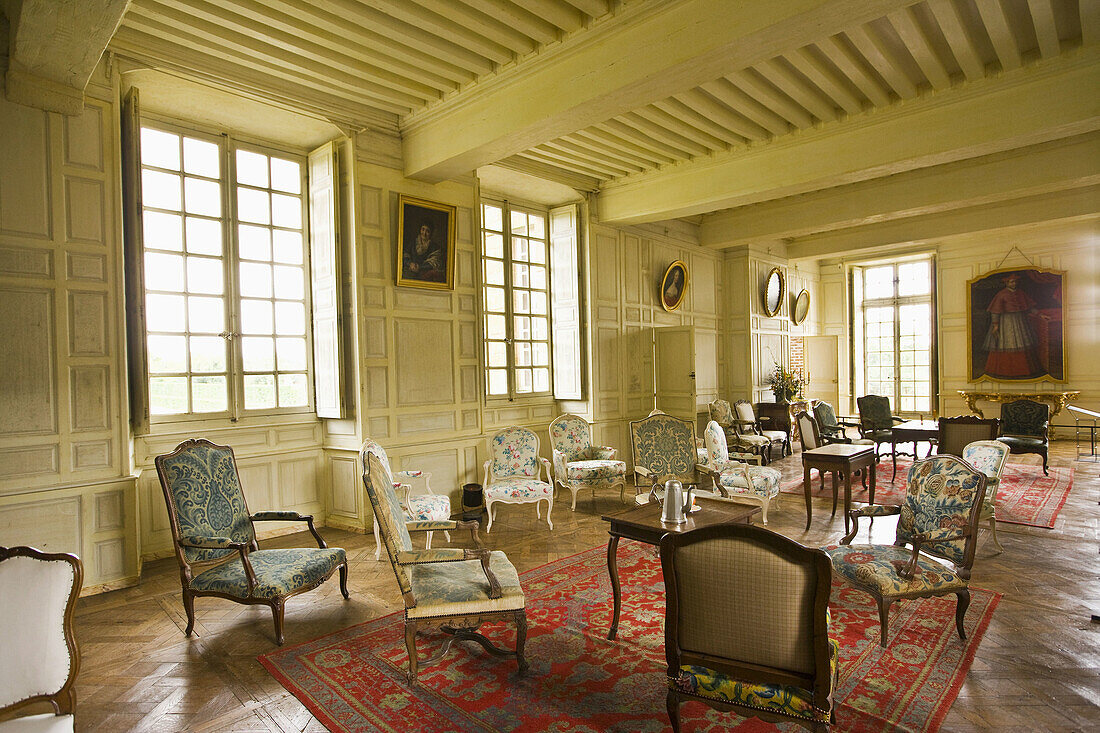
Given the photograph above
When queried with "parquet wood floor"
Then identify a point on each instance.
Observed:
(1038, 667)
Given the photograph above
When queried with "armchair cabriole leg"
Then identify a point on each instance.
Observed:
(278, 606)
(884, 620)
(672, 705)
(344, 580)
(189, 609)
(993, 533)
(410, 645)
(960, 611)
(521, 640)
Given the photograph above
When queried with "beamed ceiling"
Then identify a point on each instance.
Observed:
(629, 97)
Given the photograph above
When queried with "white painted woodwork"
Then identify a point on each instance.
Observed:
(325, 280)
(823, 358)
(565, 303)
(674, 371)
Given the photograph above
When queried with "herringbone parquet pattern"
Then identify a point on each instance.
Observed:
(1038, 667)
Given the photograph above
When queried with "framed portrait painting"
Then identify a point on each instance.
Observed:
(1015, 325)
(674, 285)
(425, 244)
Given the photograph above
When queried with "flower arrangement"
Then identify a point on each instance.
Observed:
(785, 385)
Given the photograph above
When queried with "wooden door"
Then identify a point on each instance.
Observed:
(823, 370)
(674, 372)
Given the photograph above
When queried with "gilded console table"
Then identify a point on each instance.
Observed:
(1057, 400)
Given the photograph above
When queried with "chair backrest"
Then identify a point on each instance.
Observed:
(1025, 417)
(203, 492)
(807, 430)
(826, 418)
(572, 436)
(665, 445)
(373, 447)
(750, 603)
(515, 453)
(721, 413)
(39, 658)
(378, 481)
(956, 432)
(988, 456)
(874, 412)
(714, 437)
(944, 492)
(743, 410)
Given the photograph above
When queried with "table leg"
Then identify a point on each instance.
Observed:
(873, 470)
(806, 490)
(616, 592)
(847, 496)
(894, 453)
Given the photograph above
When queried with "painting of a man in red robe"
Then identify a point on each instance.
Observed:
(1016, 326)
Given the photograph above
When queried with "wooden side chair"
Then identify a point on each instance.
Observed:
(512, 473)
(831, 429)
(39, 658)
(1025, 428)
(580, 465)
(456, 590)
(955, 433)
(749, 429)
(417, 507)
(747, 625)
(988, 456)
(744, 482)
(933, 551)
(215, 540)
(811, 437)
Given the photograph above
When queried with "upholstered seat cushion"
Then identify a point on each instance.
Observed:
(878, 436)
(45, 723)
(278, 572)
(518, 489)
(594, 472)
(446, 588)
(765, 481)
(753, 440)
(424, 507)
(875, 568)
(774, 435)
(1022, 441)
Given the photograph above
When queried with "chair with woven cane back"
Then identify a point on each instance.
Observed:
(456, 590)
(747, 625)
(933, 550)
(215, 540)
(955, 433)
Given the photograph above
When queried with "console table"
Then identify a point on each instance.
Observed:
(1057, 400)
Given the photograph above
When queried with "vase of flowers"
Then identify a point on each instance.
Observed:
(785, 385)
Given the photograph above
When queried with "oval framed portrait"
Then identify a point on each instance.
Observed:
(801, 307)
(673, 286)
(775, 288)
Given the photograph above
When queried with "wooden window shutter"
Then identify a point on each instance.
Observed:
(565, 300)
(134, 282)
(324, 267)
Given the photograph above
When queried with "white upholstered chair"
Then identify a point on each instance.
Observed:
(426, 507)
(512, 473)
(744, 482)
(38, 654)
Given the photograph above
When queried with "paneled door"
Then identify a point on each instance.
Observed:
(823, 370)
(674, 357)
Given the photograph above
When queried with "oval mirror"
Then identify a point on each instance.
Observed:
(801, 307)
(774, 290)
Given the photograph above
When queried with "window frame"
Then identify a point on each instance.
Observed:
(228, 145)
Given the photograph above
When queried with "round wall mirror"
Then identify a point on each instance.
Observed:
(774, 290)
(801, 307)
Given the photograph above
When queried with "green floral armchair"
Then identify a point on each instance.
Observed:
(215, 540)
(456, 590)
(933, 551)
(1025, 428)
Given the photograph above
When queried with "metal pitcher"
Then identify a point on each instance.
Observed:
(674, 503)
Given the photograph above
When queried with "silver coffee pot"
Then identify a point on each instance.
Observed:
(675, 502)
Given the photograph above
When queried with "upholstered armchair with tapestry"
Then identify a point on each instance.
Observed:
(988, 456)
(512, 473)
(39, 658)
(933, 550)
(745, 483)
(1025, 428)
(426, 507)
(832, 429)
(663, 448)
(215, 540)
(747, 625)
(955, 433)
(580, 465)
(876, 420)
(453, 589)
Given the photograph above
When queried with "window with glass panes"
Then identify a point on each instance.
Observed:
(516, 290)
(225, 276)
(896, 310)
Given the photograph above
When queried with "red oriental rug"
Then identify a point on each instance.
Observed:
(354, 680)
(1025, 495)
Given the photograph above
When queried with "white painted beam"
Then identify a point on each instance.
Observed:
(641, 57)
(1026, 107)
(958, 38)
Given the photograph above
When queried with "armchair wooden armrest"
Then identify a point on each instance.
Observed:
(289, 516)
(545, 463)
(935, 535)
(715, 477)
(454, 554)
(225, 543)
(473, 525)
(868, 510)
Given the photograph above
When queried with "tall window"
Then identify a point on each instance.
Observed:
(894, 333)
(516, 290)
(225, 276)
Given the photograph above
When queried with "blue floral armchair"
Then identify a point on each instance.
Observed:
(745, 483)
(988, 456)
(512, 473)
(215, 541)
(453, 589)
(933, 551)
(578, 464)
(417, 507)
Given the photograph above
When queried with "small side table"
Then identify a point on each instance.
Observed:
(837, 458)
(912, 431)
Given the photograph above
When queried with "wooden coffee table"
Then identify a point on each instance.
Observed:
(644, 524)
(912, 431)
(846, 458)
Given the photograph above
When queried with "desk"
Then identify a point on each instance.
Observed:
(912, 431)
(835, 458)
(644, 524)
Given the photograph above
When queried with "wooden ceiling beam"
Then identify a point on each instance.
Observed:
(854, 69)
(620, 129)
(475, 20)
(824, 78)
(677, 109)
(722, 115)
(606, 142)
(579, 148)
(1046, 31)
(591, 8)
(682, 127)
(915, 39)
(744, 104)
(1000, 33)
(582, 163)
(518, 18)
(550, 173)
(958, 38)
(688, 148)
(431, 22)
(560, 14)
(878, 56)
(541, 156)
(1090, 22)
(781, 100)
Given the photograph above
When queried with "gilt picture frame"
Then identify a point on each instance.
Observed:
(1015, 325)
(674, 286)
(425, 244)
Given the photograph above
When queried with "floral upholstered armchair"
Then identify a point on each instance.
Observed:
(512, 473)
(745, 483)
(215, 541)
(988, 456)
(938, 521)
(425, 507)
(1025, 428)
(578, 464)
(453, 589)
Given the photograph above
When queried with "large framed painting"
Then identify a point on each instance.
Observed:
(425, 244)
(1015, 325)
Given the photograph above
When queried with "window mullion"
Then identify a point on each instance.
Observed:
(232, 284)
(509, 310)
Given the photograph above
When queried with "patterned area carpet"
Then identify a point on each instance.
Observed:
(353, 680)
(1025, 495)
